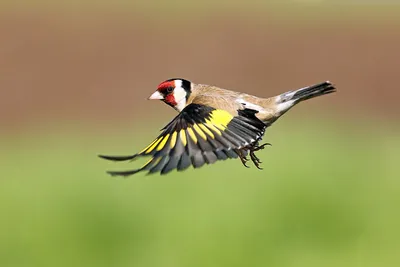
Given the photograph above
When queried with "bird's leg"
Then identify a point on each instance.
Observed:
(253, 156)
(242, 157)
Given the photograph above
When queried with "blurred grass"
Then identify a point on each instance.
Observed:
(328, 196)
(366, 13)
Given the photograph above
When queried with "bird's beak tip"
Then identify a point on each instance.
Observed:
(156, 96)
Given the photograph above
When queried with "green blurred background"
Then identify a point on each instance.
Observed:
(74, 77)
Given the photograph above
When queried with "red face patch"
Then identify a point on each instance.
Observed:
(165, 85)
(170, 99)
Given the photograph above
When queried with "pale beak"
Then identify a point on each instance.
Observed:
(156, 95)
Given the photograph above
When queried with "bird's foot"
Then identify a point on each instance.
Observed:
(242, 157)
(256, 161)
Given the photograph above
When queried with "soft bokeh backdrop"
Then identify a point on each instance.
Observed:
(74, 76)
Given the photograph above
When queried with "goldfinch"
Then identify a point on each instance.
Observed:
(213, 124)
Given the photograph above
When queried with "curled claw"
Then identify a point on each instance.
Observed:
(256, 148)
(244, 162)
(250, 150)
(255, 160)
(243, 158)
(253, 156)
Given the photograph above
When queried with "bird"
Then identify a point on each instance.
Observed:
(213, 124)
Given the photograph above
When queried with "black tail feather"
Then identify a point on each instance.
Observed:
(313, 91)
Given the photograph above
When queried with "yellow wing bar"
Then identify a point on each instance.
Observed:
(198, 135)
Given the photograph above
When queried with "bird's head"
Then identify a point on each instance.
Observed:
(174, 92)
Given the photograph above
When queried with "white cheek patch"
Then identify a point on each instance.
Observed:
(180, 96)
(178, 83)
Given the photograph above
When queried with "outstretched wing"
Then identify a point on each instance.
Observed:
(198, 135)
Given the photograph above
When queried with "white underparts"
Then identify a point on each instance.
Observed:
(283, 105)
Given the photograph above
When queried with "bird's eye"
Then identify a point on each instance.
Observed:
(170, 89)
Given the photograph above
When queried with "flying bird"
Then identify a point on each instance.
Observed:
(213, 124)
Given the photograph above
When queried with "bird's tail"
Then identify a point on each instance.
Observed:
(308, 92)
(287, 100)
